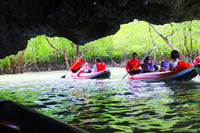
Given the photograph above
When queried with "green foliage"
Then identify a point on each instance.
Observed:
(5, 62)
(132, 37)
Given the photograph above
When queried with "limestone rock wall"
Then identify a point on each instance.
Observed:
(82, 20)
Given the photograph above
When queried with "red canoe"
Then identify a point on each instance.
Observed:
(94, 75)
(184, 75)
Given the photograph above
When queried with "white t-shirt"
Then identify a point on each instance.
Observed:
(94, 68)
(173, 65)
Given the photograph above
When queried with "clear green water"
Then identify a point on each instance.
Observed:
(109, 105)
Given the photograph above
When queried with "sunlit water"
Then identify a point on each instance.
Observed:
(109, 105)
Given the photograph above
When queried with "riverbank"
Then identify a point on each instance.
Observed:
(52, 66)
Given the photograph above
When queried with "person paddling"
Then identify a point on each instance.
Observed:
(132, 66)
(176, 65)
(76, 65)
(99, 66)
(148, 65)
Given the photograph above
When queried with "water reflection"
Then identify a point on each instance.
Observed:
(111, 105)
(123, 107)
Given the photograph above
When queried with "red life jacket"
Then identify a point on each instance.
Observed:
(182, 65)
(77, 64)
(132, 63)
(100, 66)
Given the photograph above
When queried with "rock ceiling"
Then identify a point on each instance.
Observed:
(82, 21)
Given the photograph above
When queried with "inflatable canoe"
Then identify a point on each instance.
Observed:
(94, 75)
(184, 75)
(16, 118)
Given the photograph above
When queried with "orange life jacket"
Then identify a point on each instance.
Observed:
(100, 66)
(182, 65)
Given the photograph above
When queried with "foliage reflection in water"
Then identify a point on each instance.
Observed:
(109, 105)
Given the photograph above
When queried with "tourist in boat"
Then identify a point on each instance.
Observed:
(86, 68)
(197, 60)
(176, 65)
(148, 65)
(164, 66)
(99, 65)
(76, 65)
(132, 66)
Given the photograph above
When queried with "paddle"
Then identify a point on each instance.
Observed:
(141, 60)
(75, 63)
(189, 56)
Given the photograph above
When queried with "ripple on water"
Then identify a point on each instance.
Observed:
(111, 105)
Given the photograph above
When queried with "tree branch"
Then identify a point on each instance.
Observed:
(152, 40)
(28, 63)
(166, 40)
(157, 31)
(171, 32)
(54, 47)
